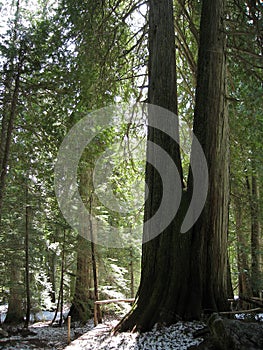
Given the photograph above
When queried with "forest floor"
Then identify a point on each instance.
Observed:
(42, 335)
(178, 337)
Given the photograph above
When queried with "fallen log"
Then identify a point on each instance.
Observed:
(109, 301)
(247, 311)
(225, 334)
(256, 298)
(252, 300)
(235, 334)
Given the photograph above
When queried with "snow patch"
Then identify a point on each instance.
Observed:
(178, 337)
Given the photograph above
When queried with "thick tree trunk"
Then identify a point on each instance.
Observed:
(156, 297)
(81, 305)
(15, 314)
(256, 274)
(209, 234)
(185, 274)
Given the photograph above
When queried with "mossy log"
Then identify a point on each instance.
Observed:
(227, 334)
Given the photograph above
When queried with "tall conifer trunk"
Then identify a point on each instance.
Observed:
(81, 304)
(209, 235)
(256, 274)
(15, 313)
(154, 295)
(184, 274)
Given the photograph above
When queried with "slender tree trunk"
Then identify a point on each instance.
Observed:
(230, 292)
(94, 266)
(11, 95)
(244, 284)
(256, 275)
(8, 137)
(62, 278)
(132, 293)
(57, 308)
(51, 270)
(27, 277)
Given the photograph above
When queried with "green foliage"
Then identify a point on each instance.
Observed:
(71, 63)
(246, 123)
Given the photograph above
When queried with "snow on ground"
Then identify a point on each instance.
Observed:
(178, 336)
(257, 317)
(44, 336)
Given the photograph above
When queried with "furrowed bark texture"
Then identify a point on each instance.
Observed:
(184, 274)
(209, 235)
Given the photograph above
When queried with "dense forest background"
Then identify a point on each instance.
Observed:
(61, 60)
